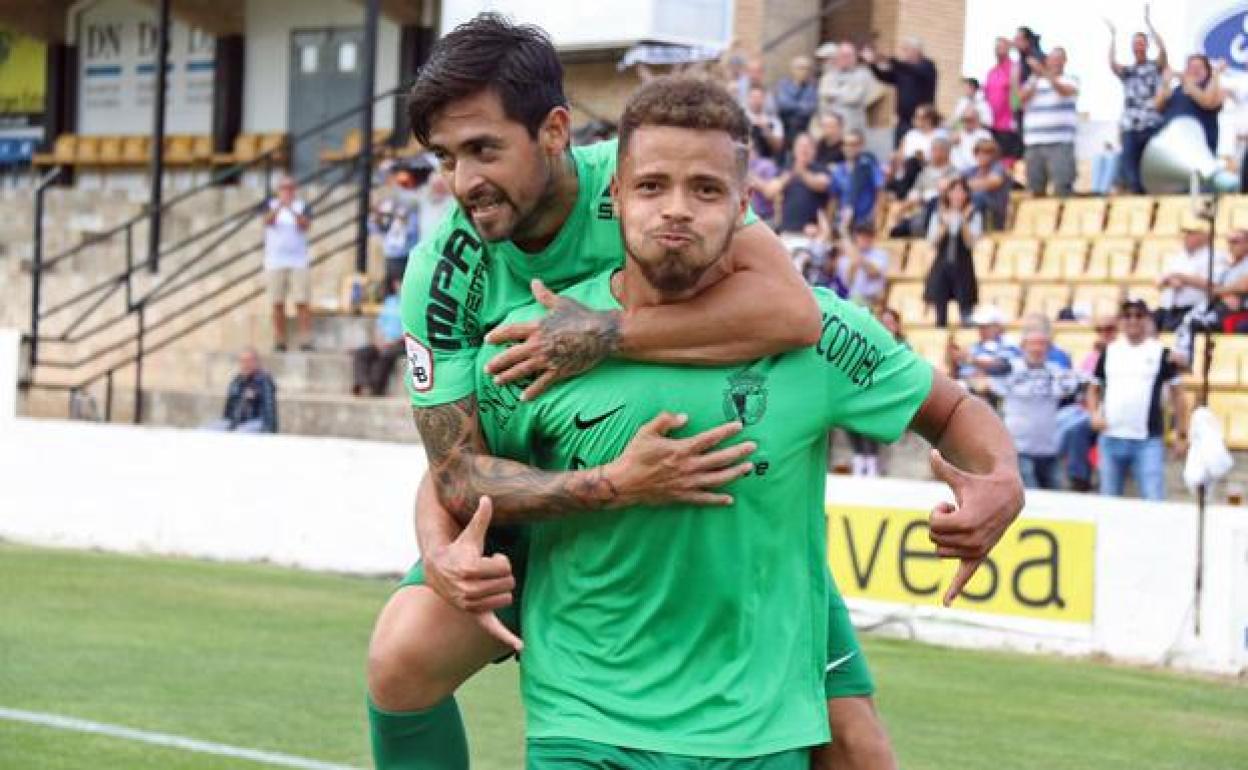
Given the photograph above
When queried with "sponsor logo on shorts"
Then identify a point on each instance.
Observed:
(419, 364)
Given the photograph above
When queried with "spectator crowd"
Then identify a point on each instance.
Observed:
(829, 171)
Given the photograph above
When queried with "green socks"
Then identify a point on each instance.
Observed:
(419, 740)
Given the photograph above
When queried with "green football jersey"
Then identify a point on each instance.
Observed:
(683, 629)
(457, 287)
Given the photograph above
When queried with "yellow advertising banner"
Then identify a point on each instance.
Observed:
(22, 74)
(1041, 569)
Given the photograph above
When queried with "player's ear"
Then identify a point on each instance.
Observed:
(555, 133)
(615, 194)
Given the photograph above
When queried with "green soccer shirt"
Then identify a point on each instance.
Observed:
(457, 287)
(681, 629)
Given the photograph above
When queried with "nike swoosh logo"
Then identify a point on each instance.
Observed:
(586, 424)
(839, 661)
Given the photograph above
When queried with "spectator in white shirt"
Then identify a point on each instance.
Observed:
(1125, 401)
(1185, 276)
(863, 266)
(966, 138)
(1050, 122)
(917, 142)
(971, 99)
(286, 261)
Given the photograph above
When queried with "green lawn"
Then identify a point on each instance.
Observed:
(272, 659)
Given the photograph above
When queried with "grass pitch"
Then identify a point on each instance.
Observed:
(273, 659)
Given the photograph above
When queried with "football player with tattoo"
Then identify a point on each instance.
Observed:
(490, 105)
(664, 637)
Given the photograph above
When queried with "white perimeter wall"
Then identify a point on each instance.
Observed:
(267, 66)
(333, 504)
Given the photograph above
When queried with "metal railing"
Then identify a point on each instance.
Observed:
(86, 308)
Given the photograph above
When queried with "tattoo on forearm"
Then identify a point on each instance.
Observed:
(577, 338)
(463, 470)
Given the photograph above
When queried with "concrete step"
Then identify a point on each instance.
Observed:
(325, 373)
(377, 419)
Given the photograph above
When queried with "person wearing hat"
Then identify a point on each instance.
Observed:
(1124, 400)
(1185, 276)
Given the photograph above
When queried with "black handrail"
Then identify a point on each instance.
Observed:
(216, 178)
(187, 274)
(163, 293)
(168, 287)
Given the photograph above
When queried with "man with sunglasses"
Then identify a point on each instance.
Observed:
(1125, 403)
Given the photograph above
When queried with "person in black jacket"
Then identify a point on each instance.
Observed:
(953, 230)
(912, 74)
(251, 401)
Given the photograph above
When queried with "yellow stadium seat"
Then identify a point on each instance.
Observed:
(1232, 408)
(896, 250)
(1064, 258)
(906, 297)
(1099, 299)
(1153, 255)
(1130, 215)
(1046, 299)
(982, 256)
(1037, 216)
(1095, 270)
(1004, 296)
(1014, 256)
(918, 260)
(1224, 371)
(1077, 342)
(1082, 216)
(135, 150)
(1170, 213)
(110, 150)
(1232, 213)
(1149, 292)
(88, 151)
(929, 344)
(1119, 255)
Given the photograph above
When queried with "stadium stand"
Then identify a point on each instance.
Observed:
(1086, 255)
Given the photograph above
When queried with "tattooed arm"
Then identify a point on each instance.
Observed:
(761, 308)
(652, 469)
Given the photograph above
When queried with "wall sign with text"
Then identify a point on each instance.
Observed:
(117, 51)
(1041, 569)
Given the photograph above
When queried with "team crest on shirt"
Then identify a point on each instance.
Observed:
(745, 398)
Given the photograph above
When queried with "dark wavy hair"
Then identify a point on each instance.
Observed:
(685, 102)
(516, 61)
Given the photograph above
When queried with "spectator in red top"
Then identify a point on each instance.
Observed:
(1000, 89)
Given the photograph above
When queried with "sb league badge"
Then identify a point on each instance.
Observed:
(745, 398)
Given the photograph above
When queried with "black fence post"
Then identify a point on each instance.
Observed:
(366, 127)
(138, 365)
(158, 139)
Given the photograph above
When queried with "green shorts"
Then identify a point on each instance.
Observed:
(572, 754)
(847, 673)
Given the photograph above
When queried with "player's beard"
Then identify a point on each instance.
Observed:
(675, 273)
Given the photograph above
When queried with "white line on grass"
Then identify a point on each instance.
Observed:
(164, 739)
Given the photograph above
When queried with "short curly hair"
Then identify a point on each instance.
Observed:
(685, 102)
